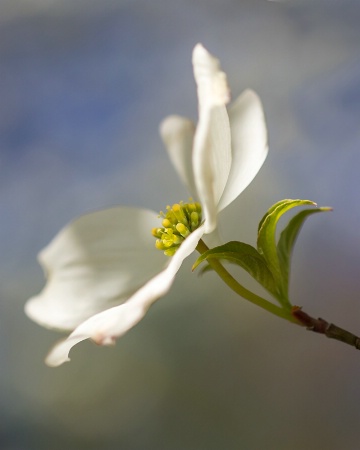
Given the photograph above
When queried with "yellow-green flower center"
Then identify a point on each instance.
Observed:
(177, 223)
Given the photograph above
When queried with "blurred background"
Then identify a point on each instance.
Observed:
(83, 87)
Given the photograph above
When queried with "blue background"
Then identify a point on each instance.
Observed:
(83, 88)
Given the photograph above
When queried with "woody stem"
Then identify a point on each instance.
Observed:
(321, 326)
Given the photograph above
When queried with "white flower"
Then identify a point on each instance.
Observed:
(103, 269)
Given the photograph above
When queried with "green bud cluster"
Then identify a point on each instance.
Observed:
(177, 223)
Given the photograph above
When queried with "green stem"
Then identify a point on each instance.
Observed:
(242, 291)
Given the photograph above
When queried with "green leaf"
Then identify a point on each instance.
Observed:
(266, 241)
(270, 211)
(205, 270)
(246, 257)
(287, 241)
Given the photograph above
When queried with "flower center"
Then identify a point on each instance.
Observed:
(177, 223)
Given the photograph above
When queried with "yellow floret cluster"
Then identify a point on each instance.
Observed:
(177, 223)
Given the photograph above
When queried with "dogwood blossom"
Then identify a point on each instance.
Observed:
(100, 282)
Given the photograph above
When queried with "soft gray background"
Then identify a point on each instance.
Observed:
(83, 87)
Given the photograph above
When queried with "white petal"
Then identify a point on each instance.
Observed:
(105, 327)
(96, 262)
(249, 144)
(213, 239)
(178, 136)
(212, 142)
(211, 81)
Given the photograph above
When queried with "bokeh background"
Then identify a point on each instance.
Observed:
(83, 87)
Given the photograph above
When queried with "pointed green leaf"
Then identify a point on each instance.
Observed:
(287, 241)
(205, 269)
(246, 257)
(270, 211)
(266, 241)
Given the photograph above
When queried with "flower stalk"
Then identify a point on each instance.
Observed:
(295, 314)
(245, 293)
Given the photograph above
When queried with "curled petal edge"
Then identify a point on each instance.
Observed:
(90, 266)
(212, 140)
(105, 327)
